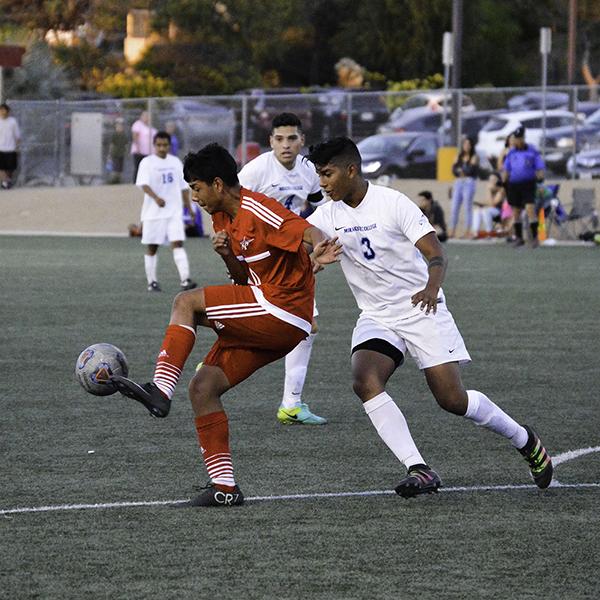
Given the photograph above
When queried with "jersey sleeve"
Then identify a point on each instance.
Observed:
(290, 232)
(249, 177)
(143, 174)
(411, 220)
(317, 218)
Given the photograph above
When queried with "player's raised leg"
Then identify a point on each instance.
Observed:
(446, 385)
(373, 363)
(188, 311)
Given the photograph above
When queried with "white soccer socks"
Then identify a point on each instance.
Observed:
(181, 262)
(296, 366)
(150, 263)
(392, 428)
(483, 412)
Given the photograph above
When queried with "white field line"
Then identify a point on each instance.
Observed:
(447, 490)
(571, 454)
(558, 459)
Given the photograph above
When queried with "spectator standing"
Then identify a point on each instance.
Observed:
(160, 175)
(465, 169)
(435, 213)
(10, 138)
(523, 168)
(142, 136)
(116, 151)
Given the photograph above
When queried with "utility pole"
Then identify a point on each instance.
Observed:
(572, 41)
(457, 29)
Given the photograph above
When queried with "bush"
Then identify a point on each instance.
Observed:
(431, 82)
(136, 84)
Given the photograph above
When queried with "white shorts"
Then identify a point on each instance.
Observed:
(431, 340)
(159, 231)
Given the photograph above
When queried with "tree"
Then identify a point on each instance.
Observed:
(39, 77)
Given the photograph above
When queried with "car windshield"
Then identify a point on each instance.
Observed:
(382, 145)
(495, 124)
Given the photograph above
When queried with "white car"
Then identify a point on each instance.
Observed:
(493, 134)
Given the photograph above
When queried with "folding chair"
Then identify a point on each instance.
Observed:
(583, 215)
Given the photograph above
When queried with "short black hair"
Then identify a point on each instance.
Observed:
(341, 151)
(286, 119)
(5, 106)
(426, 194)
(208, 163)
(161, 135)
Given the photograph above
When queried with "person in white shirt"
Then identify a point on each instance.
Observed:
(160, 176)
(10, 138)
(142, 138)
(395, 265)
(284, 175)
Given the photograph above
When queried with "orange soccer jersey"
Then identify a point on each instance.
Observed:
(268, 237)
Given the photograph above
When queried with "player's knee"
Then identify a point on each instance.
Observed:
(366, 386)
(453, 401)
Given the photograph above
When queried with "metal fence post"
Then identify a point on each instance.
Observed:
(60, 142)
(574, 102)
(244, 132)
(349, 114)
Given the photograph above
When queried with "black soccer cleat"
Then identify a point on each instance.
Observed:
(540, 463)
(419, 480)
(154, 287)
(148, 394)
(188, 284)
(213, 496)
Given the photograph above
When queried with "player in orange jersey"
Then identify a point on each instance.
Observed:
(258, 320)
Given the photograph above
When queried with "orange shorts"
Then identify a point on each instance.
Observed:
(249, 337)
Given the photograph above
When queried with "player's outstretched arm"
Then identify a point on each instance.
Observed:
(431, 248)
(237, 269)
(323, 251)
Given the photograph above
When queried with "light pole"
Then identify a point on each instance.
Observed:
(545, 48)
(447, 60)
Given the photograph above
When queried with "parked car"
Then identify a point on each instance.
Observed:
(534, 101)
(494, 133)
(197, 123)
(265, 104)
(435, 101)
(408, 154)
(368, 110)
(585, 164)
(471, 123)
(562, 141)
(418, 119)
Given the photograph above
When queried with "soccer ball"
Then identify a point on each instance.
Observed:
(96, 365)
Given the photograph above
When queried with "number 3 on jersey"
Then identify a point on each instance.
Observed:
(368, 252)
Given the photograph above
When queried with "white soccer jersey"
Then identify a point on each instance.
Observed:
(291, 187)
(381, 264)
(165, 178)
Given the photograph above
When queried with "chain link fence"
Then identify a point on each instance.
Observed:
(69, 143)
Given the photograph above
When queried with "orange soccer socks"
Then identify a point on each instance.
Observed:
(176, 347)
(213, 436)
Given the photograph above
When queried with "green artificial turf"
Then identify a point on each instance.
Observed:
(531, 322)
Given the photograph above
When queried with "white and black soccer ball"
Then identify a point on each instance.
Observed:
(96, 365)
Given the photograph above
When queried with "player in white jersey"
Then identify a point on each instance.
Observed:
(395, 265)
(284, 175)
(160, 175)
